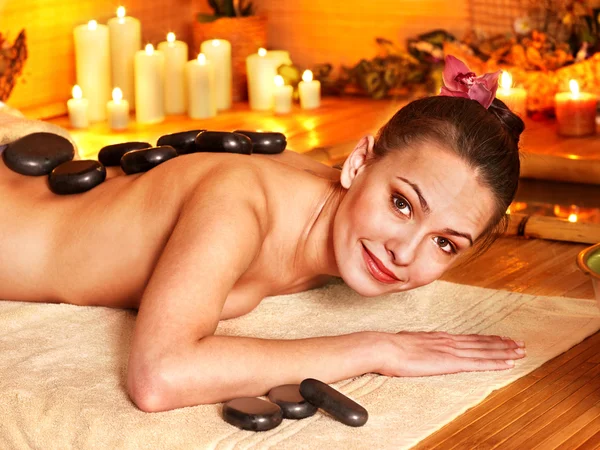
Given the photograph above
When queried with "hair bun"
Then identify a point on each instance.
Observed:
(511, 121)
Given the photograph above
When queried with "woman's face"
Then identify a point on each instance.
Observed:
(406, 218)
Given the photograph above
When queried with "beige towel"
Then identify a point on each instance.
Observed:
(62, 369)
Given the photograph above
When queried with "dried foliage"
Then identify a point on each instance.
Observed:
(12, 60)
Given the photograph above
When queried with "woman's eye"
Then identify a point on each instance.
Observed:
(401, 204)
(445, 245)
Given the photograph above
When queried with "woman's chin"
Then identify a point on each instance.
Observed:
(366, 287)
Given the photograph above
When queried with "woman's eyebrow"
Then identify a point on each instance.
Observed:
(422, 201)
(459, 234)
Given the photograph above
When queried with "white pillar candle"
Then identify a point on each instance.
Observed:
(282, 96)
(514, 98)
(310, 91)
(118, 111)
(149, 85)
(261, 71)
(92, 56)
(78, 109)
(176, 56)
(218, 52)
(125, 41)
(200, 81)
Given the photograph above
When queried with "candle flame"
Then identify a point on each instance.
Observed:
(149, 49)
(77, 92)
(279, 81)
(574, 86)
(506, 80)
(572, 218)
(92, 25)
(307, 76)
(117, 94)
(121, 12)
(262, 52)
(216, 42)
(201, 59)
(508, 210)
(170, 37)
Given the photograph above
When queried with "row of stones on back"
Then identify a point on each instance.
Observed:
(50, 154)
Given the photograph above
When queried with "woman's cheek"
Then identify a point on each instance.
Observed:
(428, 269)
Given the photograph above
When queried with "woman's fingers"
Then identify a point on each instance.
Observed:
(479, 365)
(479, 340)
(488, 353)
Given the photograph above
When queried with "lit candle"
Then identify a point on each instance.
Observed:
(218, 52)
(78, 109)
(149, 85)
(282, 96)
(125, 41)
(200, 80)
(261, 71)
(176, 55)
(118, 111)
(514, 98)
(92, 57)
(310, 91)
(575, 112)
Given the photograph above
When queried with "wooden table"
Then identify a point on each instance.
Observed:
(556, 405)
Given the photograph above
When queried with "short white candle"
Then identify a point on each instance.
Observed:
(176, 55)
(118, 111)
(514, 98)
(78, 109)
(218, 52)
(200, 80)
(261, 71)
(310, 91)
(282, 96)
(125, 41)
(149, 85)
(92, 57)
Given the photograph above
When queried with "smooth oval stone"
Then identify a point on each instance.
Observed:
(38, 153)
(222, 141)
(111, 154)
(334, 402)
(291, 402)
(75, 177)
(252, 414)
(137, 161)
(183, 142)
(265, 143)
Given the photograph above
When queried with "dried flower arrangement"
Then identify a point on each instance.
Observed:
(12, 60)
(227, 8)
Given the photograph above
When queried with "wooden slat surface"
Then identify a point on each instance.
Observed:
(555, 406)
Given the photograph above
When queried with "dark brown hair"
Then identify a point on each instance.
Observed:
(487, 140)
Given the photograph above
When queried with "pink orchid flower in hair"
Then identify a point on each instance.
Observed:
(459, 81)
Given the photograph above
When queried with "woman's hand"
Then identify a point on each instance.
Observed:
(421, 354)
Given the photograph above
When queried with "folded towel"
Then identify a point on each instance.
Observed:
(63, 369)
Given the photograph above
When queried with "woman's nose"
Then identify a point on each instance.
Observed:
(402, 252)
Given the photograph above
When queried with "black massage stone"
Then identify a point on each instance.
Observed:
(334, 402)
(75, 177)
(292, 404)
(137, 161)
(265, 143)
(111, 154)
(252, 414)
(183, 142)
(38, 153)
(223, 142)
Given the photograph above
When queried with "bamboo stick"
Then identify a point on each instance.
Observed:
(553, 228)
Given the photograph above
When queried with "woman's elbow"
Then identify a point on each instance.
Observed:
(147, 389)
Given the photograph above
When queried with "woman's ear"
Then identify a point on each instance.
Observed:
(357, 159)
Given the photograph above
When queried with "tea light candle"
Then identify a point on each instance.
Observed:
(282, 96)
(78, 109)
(310, 91)
(575, 112)
(176, 56)
(118, 111)
(514, 98)
(261, 71)
(200, 80)
(218, 52)
(92, 57)
(125, 40)
(149, 85)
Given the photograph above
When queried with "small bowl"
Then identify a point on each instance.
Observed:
(588, 261)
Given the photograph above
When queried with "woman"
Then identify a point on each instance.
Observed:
(205, 237)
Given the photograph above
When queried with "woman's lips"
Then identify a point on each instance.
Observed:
(377, 269)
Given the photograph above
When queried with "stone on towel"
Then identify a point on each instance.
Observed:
(137, 161)
(265, 143)
(111, 154)
(75, 177)
(183, 142)
(254, 414)
(334, 402)
(38, 153)
(292, 404)
(223, 142)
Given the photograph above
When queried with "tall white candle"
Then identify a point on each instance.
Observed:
(176, 55)
(514, 98)
(309, 91)
(78, 109)
(92, 57)
(118, 111)
(218, 52)
(200, 81)
(282, 96)
(149, 85)
(261, 71)
(125, 41)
